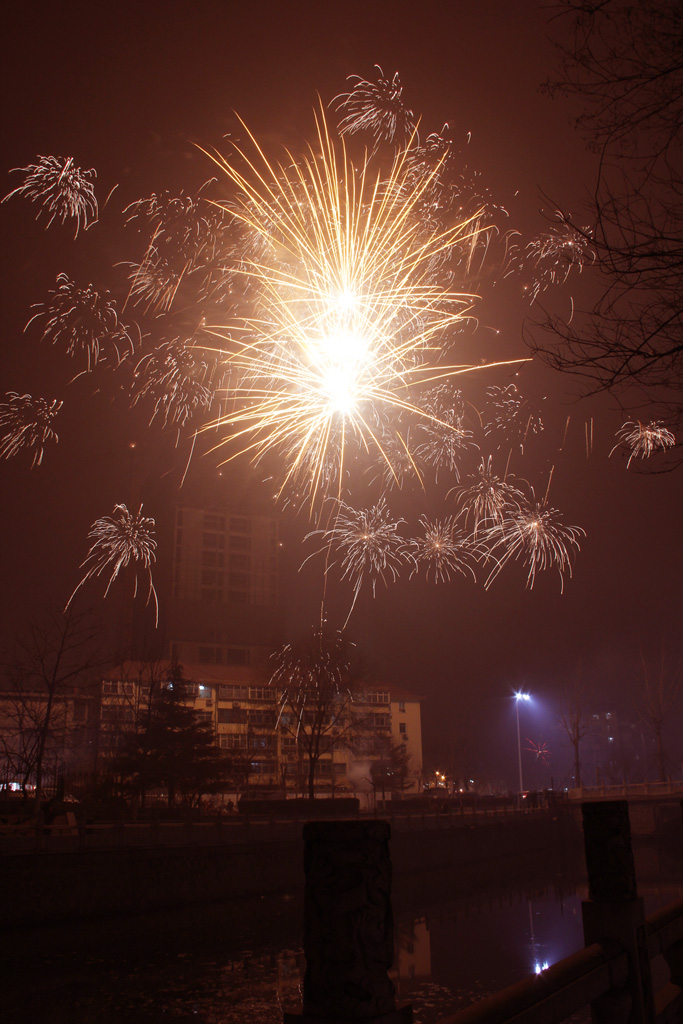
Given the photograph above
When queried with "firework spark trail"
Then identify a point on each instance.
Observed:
(82, 320)
(350, 314)
(535, 534)
(26, 423)
(488, 498)
(118, 541)
(61, 188)
(644, 439)
(443, 550)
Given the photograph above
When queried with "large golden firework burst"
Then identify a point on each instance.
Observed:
(347, 318)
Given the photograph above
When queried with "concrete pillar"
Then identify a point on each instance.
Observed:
(615, 911)
(348, 926)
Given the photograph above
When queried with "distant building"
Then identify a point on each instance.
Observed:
(65, 722)
(223, 603)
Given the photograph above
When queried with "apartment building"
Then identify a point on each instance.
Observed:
(272, 737)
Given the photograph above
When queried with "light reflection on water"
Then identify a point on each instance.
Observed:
(242, 963)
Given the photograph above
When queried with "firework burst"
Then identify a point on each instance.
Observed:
(535, 534)
(511, 415)
(444, 438)
(643, 439)
(555, 254)
(539, 750)
(82, 320)
(442, 550)
(26, 424)
(369, 544)
(61, 189)
(175, 379)
(376, 108)
(186, 239)
(486, 500)
(120, 540)
(349, 316)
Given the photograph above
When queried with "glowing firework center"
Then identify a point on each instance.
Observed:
(347, 306)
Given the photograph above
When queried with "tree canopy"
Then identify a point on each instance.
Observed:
(623, 62)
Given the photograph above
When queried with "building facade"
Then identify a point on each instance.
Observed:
(367, 745)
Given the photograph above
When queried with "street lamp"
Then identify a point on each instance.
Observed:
(519, 696)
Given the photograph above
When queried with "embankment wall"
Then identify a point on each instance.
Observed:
(53, 887)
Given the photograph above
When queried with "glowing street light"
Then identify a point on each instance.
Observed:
(519, 696)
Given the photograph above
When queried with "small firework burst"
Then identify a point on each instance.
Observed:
(555, 253)
(156, 279)
(535, 534)
(643, 439)
(186, 238)
(511, 415)
(539, 750)
(176, 379)
(62, 190)
(120, 540)
(445, 441)
(442, 550)
(486, 500)
(369, 542)
(26, 424)
(376, 108)
(83, 320)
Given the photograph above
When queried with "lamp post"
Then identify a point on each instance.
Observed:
(518, 697)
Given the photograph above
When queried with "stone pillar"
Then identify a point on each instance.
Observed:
(348, 926)
(615, 911)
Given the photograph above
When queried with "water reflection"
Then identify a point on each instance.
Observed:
(242, 962)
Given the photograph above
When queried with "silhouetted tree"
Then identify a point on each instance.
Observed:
(660, 682)
(624, 63)
(319, 701)
(52, 665)
(173, 746)
(575, 719)
(391, 773)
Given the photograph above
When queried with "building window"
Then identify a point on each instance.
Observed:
(402, 705)
(261, 693)
(232, 716)
(210, 656)
(237, 656)
(233, 741)
(262, 719)
(227, 692)
(402, 727)
(377, 697)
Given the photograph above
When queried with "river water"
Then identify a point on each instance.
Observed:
(242, 962)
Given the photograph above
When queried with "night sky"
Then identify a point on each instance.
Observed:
(130, 89)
